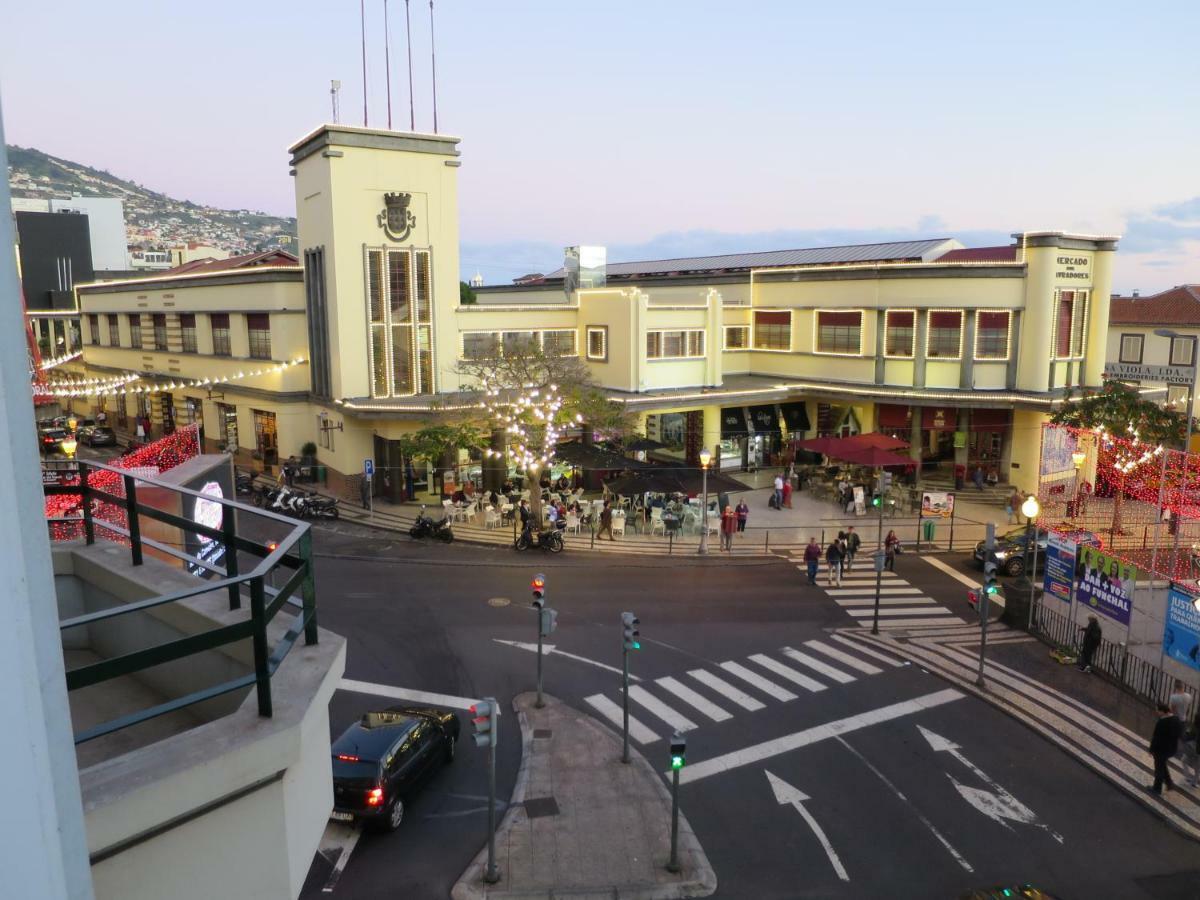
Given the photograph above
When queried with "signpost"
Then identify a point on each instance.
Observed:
(369, 475)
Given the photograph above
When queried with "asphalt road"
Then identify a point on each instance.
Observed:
(901, 818)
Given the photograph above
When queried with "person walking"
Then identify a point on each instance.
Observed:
(1012, 505)
(728, 528)
(978, 478)
(787, 493)
(606, 521)
(364, 490)
(834, 556)
(1180, 702)
(1164, 743)
(812, 559)
(853, 542)
(743, 513)
(891, 545)
(1091, 640)
(778, 497)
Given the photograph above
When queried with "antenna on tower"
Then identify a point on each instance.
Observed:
(433, 60)
(362, 17)
(412, 115)
(335, 87)
(387, 61)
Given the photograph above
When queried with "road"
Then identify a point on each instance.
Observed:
(975, 799)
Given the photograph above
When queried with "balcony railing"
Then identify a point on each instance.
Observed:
(292, 554)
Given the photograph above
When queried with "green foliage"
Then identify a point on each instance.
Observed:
(466, 296)
(308, 449)
(434, 442)
(1116, 407)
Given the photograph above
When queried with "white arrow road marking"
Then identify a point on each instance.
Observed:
(549, 649)
(785, 794)
(997, 804)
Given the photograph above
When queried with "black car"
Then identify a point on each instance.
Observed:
(383, 757)
(51, 439)
(98, 436)
(1010, 549)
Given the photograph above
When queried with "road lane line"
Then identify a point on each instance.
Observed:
(612, 712)
(900, 611)
(883, 601)
(866, 651)
(385, 690)
(809, 684)
(855, 590)
(758, 752)
(818, 666)
(843, 657)
(676, 720)
(917, 624)
(953, 572)
(727, 690)
(687, 695)
(958, 857)
(763, 684)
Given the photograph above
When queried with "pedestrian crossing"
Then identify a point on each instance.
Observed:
(680, 703)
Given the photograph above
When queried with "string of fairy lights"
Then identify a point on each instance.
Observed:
(533, 420)
(125, 383)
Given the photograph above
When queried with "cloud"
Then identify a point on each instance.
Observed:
(1182, 211)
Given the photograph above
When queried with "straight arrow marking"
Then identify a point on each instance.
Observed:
(786, 794)
(549, 649)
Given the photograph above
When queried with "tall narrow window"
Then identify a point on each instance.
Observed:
(220, 334)
(773, 329)
(94, 329)
(187, 327)
(377, 348)
(258, 326)
(597, 343)
(160, 331)
(1131, 348)
(1062, 324)
(839, 331)
(318, 324)
(400, 305)
(1079, 324)
(424, 297)
(900, 338)
(991, 334)
(135, 331)
(114, 330)
(944, 336)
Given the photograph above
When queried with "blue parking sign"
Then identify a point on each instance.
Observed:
(369, 468)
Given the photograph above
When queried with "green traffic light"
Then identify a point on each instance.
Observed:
(991, 589)
(875, 501)
(637, 645)
(676, 762)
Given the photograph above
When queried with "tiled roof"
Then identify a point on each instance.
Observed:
(981, 254)
(1179, 305)
(246, 261)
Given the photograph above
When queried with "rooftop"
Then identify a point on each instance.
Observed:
(246, 261)
(1179, 305)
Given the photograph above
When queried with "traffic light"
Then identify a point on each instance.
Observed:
(877, 501)
(483, 717)
(885, 482)
(629, 623)
(547, 621)
(539, 589)
(989, 574)
(678, 751)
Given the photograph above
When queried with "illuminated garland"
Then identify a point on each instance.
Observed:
(59, 360)
(118, 385)
(533, 421)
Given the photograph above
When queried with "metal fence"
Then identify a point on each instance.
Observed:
(291, 555)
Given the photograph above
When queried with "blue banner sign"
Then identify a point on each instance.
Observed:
(1105, 584)
(1181, 635)
(1060, 566)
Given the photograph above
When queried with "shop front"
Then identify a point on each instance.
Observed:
(766, 438)
(938, 427)
(986, 439)
(735, 438)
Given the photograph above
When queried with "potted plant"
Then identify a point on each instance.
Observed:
(308, 461)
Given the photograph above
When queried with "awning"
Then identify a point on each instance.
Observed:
(795, 416)
(765, 419)
(733, 423)
(939, 418)
(990, 419)
(889, 415)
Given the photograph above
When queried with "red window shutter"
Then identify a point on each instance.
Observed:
(258, 322)
(772, 318)
(993, 320)
(1066, 305)
(892, 416)
(945, 320)
(852, 319)
(901, 319)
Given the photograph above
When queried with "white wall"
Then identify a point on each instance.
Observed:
(106, 223)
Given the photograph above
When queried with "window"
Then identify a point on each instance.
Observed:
(258, 326)
(220, 334)
(135, 331)
(514, 343)
(187, 325)
(839, 331)
(1132, 346)
(227, 429)
(481, 345)
(94, 329)
(1069, 324)
(773, 330)
(944, 336)
(114, 331)
(597, 342)
(991, 334)
(674, 344)
(1177, 395)
(160, 331)
(737, 337)
(558, 342)
(317, 317)
(1181, 351)
(900, 333)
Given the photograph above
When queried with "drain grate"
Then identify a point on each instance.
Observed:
(542, 734)
(541, 806)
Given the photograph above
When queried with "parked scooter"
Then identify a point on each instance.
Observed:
(551, 539)
(243, 483)
(288, 502)
(425, 527)
(316, 506)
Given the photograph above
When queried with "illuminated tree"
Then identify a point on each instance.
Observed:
(1119, 409)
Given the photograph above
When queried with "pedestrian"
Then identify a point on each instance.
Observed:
(891, 546)
(743, 513)
(1180, 702)
(1011, 505)
(978, 477)
(410, 479)
(1164, 743)
(1191, 751)
(778, 498)
(853, 542)
(606, 521)
(525, 513)
(364, 490)
(812, 559)
(787, 493)
(1091, 640)
(289, 471)
(834, 556)
(728, 528)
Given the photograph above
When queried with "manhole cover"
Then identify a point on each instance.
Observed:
(541, 806)
(499, 601)
(542, 734)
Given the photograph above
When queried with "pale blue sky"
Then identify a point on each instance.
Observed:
(660, 127)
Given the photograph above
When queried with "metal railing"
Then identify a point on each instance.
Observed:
(292, 552)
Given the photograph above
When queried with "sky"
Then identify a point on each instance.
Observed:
(658, 127)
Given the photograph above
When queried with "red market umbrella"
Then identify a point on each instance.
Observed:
(875, 440)
(871, 456)
(819, 444)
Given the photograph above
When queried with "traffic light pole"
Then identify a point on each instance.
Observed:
(989, 547)
(624, 705)
(673, 862)
(491, 876)
(540, 701)
(878, 558)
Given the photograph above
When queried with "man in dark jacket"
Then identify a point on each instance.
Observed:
(834, 554)
(1164, 744)
(1091, 640)
(812, 559)
(853, 542)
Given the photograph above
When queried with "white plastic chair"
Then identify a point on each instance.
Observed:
(656, 521)
(572, 522)
(491, 517)
(448, 509)
(618, 525)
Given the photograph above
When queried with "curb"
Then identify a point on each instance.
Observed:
(470, 885)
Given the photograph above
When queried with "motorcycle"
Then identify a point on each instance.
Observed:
(551, 539)
(243, 483)
(288, 502)
(424, 527)
(316, 506)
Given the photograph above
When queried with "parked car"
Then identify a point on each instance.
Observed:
(51, 439)
(98, 436)
(1010, 549)
(384, 757)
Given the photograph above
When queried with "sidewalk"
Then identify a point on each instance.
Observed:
(583, 824)
(1092, 720)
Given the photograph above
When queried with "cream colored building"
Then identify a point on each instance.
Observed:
(963, 351)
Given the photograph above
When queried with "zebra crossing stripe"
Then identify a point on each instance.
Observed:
(870, 589)
(687, 695)
(883, 601)
(809, 684)
(915, 624)
(613, 713)
(727, 690)
(818, 666)
(903, 611)
(763, 684)
(844, 658)
(866, 651)
(657, 707)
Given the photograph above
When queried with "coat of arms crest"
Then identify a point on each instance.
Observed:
(396, 219)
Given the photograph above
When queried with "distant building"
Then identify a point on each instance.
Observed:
(106, 224)
(55, 254)
(194, 251)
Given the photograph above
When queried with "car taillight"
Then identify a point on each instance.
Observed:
(375, 797)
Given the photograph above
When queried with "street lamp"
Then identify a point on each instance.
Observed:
(705, 459)
(1030, 509)
(69, 446)
(1078, 458)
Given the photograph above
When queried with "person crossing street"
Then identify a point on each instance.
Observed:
(853, 542)
(812, 559)
(834, 556)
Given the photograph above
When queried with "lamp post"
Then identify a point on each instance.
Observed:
(705, 459)
(1030, 509)
(1078, 458)
(69, 446)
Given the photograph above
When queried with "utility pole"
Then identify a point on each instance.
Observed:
(885, 482)
(484, 715)
(678, 760)
(985, 595)
(547, 622)
(629, 641)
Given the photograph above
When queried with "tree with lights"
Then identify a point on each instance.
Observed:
(1127, 454)
(1120, 409)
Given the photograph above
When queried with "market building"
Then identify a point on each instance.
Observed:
(963, 352)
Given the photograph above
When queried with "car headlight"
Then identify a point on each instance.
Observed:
(1001, 554)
